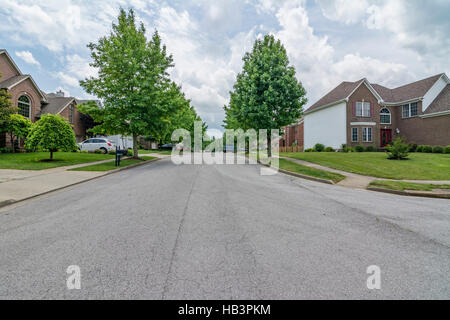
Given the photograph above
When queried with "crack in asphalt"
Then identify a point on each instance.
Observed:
(177, 239)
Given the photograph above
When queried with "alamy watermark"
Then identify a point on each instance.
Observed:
(74, 279)
(247, 147)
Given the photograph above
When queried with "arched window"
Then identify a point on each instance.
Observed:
(385, 116)
(24, 105)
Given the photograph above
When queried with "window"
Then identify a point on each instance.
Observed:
(367, 134)
(363, 109)
(385, 116)
(71, 114)
(24, 105)
(354, 134)
(410, 110)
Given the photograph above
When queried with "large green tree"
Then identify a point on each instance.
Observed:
(133, 81)
(267, 94)
(7, 108)
(51, 133)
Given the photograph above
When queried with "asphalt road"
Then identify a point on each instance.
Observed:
(162, 231)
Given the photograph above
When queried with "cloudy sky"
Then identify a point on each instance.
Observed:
(328, 41)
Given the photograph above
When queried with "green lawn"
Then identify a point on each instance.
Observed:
(401, 186)
(107, 166)
(312, 172)
(420, 166)
(33, 161)
(162, 152)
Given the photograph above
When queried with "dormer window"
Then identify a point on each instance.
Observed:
(24, 104)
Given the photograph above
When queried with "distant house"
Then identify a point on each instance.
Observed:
(363, 113)
(32, 102)
(293, 135)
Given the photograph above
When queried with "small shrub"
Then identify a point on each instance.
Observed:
(419, 149)
(98, 151)
(438, 149)
(130, 153)
(84, 151)
(427, 149)
(112, 152)
(359, 149)
(447, 149)
(370, 149)
(329, 149)
(309, 150)
(319, 147)
(6, 150)
(398, 150)
(412, 147)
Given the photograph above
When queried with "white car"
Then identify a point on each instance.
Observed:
(93, 144)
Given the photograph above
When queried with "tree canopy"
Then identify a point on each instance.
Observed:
(51, 133)
(266, 95)
(17, 127)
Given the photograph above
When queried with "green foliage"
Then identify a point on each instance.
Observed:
(130, 153)
(427, 149)
(412, 147)
(447, 149)
(98, 151)
(309, 150)
(329, 149)
(133, 82)
(267, 86)
(51, 133)
(398, 150)
(112, 152)
(7, 108)
(438, 149)
(370, 149)
(17, 127)
(6, 150)
(419, 148)
(359, 149)
(319, 147)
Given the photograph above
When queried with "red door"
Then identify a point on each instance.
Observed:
(386, 137)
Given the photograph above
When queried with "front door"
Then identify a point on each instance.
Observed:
(386, 137)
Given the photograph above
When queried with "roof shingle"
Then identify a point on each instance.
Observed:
(11, 82)
(441, 103)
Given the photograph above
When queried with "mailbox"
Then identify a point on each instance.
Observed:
(120, 153)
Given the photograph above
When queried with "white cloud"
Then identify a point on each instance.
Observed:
(67, 79)
(27, 56)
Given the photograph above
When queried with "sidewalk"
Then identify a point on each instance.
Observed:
(17, 185)
(358, 181)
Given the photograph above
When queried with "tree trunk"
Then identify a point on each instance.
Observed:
(135, 147)
(269, 145)
(12, 143)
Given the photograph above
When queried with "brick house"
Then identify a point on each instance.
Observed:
(293, 135)
(32, 102)
(363, 113)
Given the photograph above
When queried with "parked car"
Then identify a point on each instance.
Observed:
(93, 144)
(168, 146)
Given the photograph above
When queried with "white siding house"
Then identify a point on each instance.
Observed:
(327, 126)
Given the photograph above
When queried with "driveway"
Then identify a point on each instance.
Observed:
(162, 231)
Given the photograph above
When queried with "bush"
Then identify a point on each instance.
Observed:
(319, 147)
(427, 149)
(359, 149)
(112, 152)
(309, 150)
(438, 149)
(6, 150)
(447, 149)
(419, 149)
(98, 151)
(370, 149)
(329, 149)
(398, 150)
(412, 147)
(130, 153)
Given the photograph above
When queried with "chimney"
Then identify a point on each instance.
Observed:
(60, 93)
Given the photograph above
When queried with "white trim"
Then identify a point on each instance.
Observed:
(394, 104)
(435, 114)
(25, 94)
(357, 134)
(390, 116)
(371, 89)
(326, 106)
(59, 112)
(12, 61)
(363, 123)
(17, 83)
(367, 134)
(409, 110)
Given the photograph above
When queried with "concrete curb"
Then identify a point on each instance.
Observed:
(411, 194)
(298, 175)
(10, 202)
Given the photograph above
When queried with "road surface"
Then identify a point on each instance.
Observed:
(162, 231)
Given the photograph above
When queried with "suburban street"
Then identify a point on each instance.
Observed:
(161, 231)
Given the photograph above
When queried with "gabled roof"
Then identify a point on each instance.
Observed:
(56, 105)
(441, 103)
(3, 51)
(415, 90)
(13, 81)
